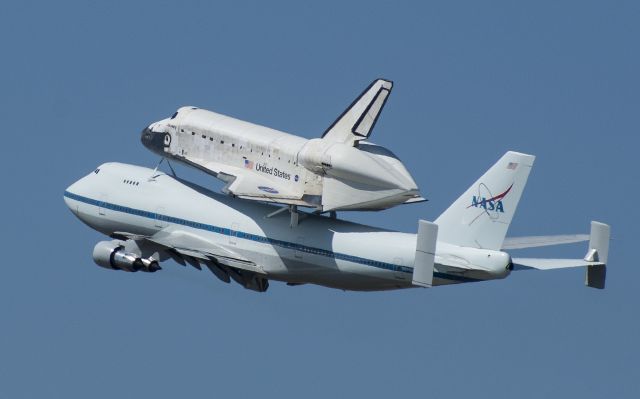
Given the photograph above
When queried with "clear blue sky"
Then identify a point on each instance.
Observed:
(473, 79)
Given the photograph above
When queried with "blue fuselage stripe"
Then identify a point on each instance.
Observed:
(256, 238)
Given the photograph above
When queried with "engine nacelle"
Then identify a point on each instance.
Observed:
(112, 255)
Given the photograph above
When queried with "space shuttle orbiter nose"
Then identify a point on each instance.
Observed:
(153, 140)
(157, 137)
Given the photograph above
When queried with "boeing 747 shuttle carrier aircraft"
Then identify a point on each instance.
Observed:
(152, 217)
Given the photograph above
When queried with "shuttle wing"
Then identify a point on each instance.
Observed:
(251, 185)
(359, 119)
(244, 183)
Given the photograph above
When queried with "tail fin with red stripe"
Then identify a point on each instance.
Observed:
(480, 218)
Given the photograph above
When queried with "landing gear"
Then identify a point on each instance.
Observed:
(296, 217)
(155, 170)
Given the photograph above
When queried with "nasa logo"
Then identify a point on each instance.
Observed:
(487, 204)
(268, 189)
(295, 177)
(490, 204)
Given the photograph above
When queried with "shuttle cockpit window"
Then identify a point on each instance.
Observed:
(174, 115)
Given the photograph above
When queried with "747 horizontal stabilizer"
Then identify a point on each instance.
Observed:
(595, 260)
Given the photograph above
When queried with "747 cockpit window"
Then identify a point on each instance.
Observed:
(96, 171)
(174, 115)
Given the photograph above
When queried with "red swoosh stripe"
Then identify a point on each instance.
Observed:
(497, 197)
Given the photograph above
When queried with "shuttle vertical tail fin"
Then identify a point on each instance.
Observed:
(481, 216)
(357, 121)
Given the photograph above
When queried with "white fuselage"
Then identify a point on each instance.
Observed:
(320, 250)
(280, 167)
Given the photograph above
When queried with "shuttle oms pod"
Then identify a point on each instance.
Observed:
(339, 171)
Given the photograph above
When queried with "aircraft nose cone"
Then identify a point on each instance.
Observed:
(146, 136)
(68, 200)
(154, 141)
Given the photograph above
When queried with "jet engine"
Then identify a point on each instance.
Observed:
(112, 255)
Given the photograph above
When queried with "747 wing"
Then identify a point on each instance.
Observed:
(187, 247)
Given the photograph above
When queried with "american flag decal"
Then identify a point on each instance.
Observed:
(248, 164)
(512, 165)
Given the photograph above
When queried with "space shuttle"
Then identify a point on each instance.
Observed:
(341, 170)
